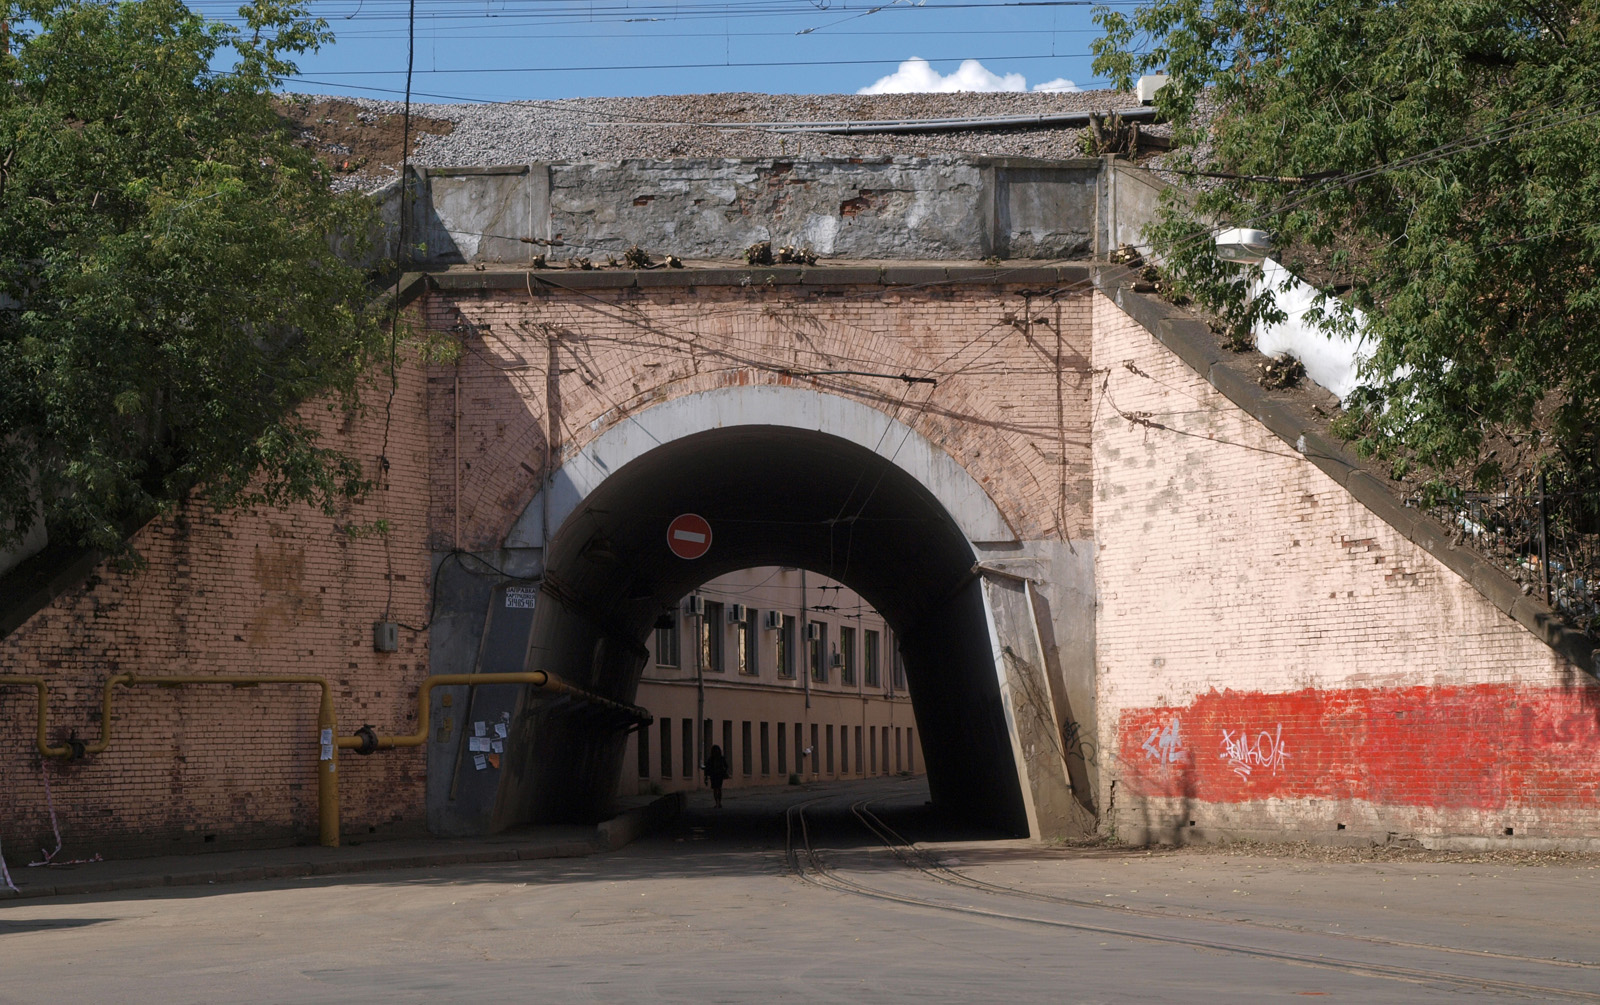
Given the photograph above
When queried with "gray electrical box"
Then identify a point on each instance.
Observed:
(385, 636)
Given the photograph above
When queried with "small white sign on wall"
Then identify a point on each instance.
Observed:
(521, 596)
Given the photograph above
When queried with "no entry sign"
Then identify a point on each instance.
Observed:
(689, 536)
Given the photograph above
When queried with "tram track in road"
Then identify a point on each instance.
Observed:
(917, 858)
(810, 867)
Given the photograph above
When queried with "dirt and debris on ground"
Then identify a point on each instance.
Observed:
(1390, 852)
(358, 142)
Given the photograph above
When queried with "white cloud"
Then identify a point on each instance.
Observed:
(1057, 86)
(915, 76)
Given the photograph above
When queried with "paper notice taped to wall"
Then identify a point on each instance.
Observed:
(499, 746)
(480, 728)
(500, 730)
(478, 744)
(327, 745)
(479, 761)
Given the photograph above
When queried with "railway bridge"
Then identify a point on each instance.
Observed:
(1137, 594)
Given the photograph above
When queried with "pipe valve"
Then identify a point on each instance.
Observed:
(369, 739)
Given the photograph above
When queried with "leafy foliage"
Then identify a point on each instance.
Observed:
(1436, 165)
(171, 286)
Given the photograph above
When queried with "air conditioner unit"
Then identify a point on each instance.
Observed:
(694, 604)
(838, 660)
(774, 620)
(735, 613)
(813, 632)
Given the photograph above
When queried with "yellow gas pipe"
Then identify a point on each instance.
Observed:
(327, 722)
(67, 750)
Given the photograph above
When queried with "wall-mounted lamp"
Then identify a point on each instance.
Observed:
(1244, 246)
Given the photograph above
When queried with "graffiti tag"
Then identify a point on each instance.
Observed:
(1076, 744)
(1244, 755)
(1164, 745)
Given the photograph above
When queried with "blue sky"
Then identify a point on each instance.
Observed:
(508, 49)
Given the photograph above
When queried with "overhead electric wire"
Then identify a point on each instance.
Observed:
(558, 36)
(886, 61)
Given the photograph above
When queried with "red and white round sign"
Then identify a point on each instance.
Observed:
(689, 536)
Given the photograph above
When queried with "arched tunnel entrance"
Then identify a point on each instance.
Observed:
(837, 488)
(773, 496)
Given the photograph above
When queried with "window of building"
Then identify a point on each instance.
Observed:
(899, 672)
(783, 748)
(859, 769)
(897, 760)
(872, 746)
(688, 748)
(847, 656)
(747, 758)
(643, 738)
(727, 742)
(844, 750)
(667, 643)
(666, 747)
(815, 753)
(743, 644)
(884, 743)
(785, 654)
(766, 750)
(819, 652)
(911, 750)
(799, 752)
(869, 658)
(829, 731)
(711, 632)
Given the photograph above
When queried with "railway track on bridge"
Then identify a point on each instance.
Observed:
(808, 864)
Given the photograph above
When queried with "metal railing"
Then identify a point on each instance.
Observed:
(1547, 538)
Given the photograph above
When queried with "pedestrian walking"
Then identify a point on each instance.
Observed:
(716, 769)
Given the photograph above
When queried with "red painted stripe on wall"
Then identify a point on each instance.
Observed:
(1486, 747)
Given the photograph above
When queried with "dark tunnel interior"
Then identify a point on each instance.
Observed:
(773, 496)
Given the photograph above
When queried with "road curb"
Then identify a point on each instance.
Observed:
(609, 835)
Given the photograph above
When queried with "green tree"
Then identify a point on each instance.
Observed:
(171, 286)
(1434, 164)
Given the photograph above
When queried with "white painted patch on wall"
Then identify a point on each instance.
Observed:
(1334, 362)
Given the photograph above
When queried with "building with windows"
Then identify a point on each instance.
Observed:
(792, 673)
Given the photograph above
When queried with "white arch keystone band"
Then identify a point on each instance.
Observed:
(764, 405)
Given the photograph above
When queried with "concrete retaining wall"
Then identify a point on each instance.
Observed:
(905, 208)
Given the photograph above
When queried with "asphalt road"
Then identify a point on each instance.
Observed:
(809, 894)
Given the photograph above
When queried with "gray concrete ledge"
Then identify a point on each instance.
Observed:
(542, 281)
(118, 875)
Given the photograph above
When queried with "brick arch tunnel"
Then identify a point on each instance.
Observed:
(861, 508)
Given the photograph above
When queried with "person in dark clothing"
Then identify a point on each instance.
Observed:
(716, 768)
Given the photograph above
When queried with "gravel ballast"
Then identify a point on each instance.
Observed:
(607, 129)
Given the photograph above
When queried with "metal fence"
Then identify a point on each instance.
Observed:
(1548, 539)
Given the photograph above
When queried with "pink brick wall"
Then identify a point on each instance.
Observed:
(274, 592)
(1273, 659)
(995, 407)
